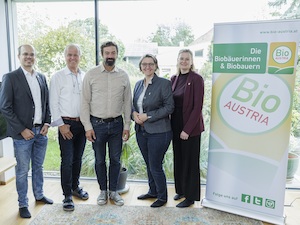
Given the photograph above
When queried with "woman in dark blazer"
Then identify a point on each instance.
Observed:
(187, 125)
(152, 106)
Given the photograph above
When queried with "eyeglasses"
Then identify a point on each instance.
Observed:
(28, 54)
(148, 64)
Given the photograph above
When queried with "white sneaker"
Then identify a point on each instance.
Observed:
(102, 198)
(113, 195)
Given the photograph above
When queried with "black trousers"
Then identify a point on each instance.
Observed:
(186, 161)
(71, 152)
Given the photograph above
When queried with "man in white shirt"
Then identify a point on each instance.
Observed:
(65, 91)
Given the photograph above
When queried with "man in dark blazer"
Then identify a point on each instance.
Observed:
(24, 103)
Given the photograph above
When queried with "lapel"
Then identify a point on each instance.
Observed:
(41, 83)
(137, 92)
(139, 88)
(175, 82)
(22, 80)
(150, 85)
(187, 91)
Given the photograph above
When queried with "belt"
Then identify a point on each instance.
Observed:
(37, 125)
(107, 120)
(71, 118)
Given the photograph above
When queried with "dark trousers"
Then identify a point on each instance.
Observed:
(108, 133)
(186, 167)
(186, 160)
(153, 148)
(71, 152)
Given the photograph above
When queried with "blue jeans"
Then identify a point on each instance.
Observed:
(34, 150)
(107, 133)
(153, 148)
(71, 152)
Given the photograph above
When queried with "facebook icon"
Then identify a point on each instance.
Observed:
(246, 198)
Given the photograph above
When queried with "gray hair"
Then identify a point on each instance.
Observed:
(70, 46)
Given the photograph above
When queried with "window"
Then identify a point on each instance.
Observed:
(2, 125)
(199, 53)
(51, 25)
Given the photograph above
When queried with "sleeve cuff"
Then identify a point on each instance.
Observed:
(58, 123)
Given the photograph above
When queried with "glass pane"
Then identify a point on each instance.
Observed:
(49, 27)
(53, 26)
(134, 25)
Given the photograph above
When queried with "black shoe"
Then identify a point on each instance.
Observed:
(158, 203)
(68, 204)
(80, 193)
(178, 196)
(45, 200)
(185, 203)
(24, 213)
(145, 196)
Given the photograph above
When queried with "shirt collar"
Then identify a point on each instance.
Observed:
(150, 82)
(67, 71)
(28, 73)
(102, 68)
(152, 79)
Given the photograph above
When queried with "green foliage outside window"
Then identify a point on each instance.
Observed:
(50, 43)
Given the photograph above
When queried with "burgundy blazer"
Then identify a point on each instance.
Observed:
(192, 103)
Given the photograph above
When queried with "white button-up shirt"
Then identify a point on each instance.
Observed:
(36, 95)
(65, 95)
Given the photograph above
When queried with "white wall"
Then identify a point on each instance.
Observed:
(4, 68)
(6, 145)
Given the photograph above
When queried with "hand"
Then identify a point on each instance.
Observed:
(44, 130)
(183, 135)
(65, 131)
(125, 135)
(143, 117)
(27, 134)
(90, 135)
(136, 118)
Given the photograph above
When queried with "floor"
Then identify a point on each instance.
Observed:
(52, 189)
(295, 182)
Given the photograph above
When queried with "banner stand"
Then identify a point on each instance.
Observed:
(253, 79)
(243, 212)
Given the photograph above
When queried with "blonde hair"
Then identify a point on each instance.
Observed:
(192, 57)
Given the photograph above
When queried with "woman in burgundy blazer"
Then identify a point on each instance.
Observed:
(187, 125)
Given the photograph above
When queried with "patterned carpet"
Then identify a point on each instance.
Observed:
(136, 215)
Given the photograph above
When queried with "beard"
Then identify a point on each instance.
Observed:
(110, 61)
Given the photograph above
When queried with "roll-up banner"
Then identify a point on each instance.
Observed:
(254, 67)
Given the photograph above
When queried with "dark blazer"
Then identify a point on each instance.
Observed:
(192, 103)
(16, 102)
(158, 103)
